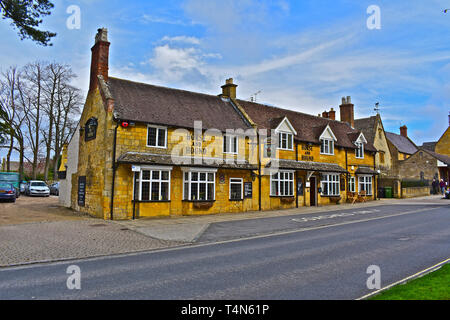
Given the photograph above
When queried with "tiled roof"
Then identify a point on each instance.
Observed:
(367, 126)
(443, 158)
(431, 146)
(403, 144)
(306, 165)
(365, 170)
(159, 105)
(163, 159)
(308, 127)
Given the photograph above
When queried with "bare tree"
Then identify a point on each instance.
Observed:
(35, 75)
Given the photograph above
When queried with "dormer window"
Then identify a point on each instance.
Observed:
(285, 141)
(327, 146)
(230, 144)
(360, 150)
(359, 143)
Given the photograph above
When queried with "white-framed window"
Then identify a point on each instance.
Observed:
(285, 141)
(359, 150)
(365, 184)
(199, 185)
(282, 184)
(153, 184)
(156, 137)
(352, 184)
(330, 185)
(327, 146)
(230, 144)
(236, 189)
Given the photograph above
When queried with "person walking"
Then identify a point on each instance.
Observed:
(442, 186)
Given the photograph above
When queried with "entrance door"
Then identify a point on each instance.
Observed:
(313, 193)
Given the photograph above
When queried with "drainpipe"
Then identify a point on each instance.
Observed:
(259, 171)
(296, 176)
(114, 171)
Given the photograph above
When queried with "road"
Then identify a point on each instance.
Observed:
(323, 257)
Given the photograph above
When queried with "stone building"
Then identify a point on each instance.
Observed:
(443, 147)
(373, 130)
(69, 166)
(147, 151)
(401, 148)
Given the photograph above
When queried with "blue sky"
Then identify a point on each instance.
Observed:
(303, 55)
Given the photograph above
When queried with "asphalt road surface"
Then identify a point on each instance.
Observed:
(311, 257)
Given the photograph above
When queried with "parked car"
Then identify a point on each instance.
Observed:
(11, 178)
(7, 191)
(23, 186)
(54, 188)
(38, 188)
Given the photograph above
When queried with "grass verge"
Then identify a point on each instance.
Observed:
(433, 286)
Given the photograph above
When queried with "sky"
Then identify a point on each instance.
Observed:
(303, 55)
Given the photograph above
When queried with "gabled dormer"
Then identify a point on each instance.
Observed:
(327, 141)
(286, 132)
(359, 143)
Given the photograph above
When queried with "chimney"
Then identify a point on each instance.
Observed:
(325, 114)
(449, 119)
(404, 131)
(332, 114)
(347, 111)
(100, 57)
(229, 89)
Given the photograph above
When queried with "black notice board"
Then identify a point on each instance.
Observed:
(81, 191)
(248, 190)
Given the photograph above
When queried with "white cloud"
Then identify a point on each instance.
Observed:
(182, 39)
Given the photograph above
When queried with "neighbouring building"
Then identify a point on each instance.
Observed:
(147, 151)
(69, 167)
(401, 147)
(443, 147)
(373, 130)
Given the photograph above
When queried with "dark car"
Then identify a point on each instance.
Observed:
(7, 192)
(54, 188)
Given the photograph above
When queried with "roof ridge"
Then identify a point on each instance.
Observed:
(164, 87)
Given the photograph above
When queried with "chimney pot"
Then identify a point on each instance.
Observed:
(404, 131)
(332, 114)
(347, 111)
(229, 89)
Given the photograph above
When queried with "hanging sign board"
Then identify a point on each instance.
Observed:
(248, 190)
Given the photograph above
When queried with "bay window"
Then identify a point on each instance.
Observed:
(199, 185)
(365, 184)
(282, 184)
(330, 185)
(152, 185)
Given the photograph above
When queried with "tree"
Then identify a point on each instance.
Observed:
(26, 17)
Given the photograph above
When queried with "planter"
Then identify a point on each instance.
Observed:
(288, 200)
(203, 205)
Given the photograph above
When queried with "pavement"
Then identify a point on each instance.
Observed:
(189, 229)
(37, 230)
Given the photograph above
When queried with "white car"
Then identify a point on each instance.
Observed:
(38, 188)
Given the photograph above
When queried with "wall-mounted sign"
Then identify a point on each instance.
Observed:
(222, 178)
(308, 184)
(307, 156)
(90, 130)
(81, 191)
(248, 190)
(135, 168)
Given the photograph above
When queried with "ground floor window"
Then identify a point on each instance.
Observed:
(236, 189)
(352, 184)
(365, 184)
(330, 185)
(199, 186)
(153, 185)
(282, 184)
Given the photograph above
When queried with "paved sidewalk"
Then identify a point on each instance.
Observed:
(190, 228)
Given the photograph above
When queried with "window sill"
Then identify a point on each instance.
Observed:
(236, 200)
(151, 201)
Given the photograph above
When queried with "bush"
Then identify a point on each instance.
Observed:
(415, 183)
